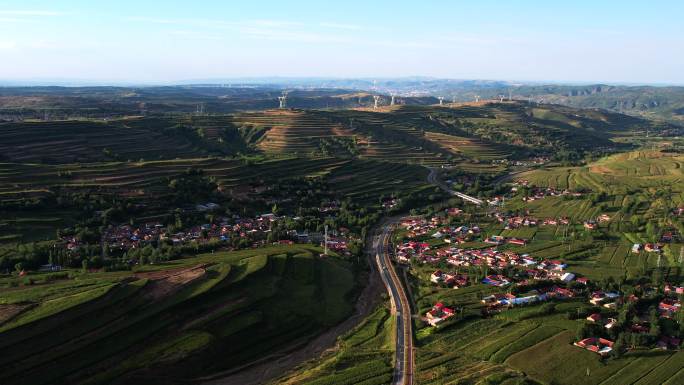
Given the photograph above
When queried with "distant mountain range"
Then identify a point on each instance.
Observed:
(655, 102)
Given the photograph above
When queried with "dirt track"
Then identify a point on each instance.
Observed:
(7, 312)
(163, 283)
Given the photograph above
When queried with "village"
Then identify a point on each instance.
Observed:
(226, 233)
(613, 317)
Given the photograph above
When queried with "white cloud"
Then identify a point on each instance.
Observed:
(190, 34)
(7, 44)
(273, 23)
(351, 27)
(15, 20)
(30, 13)
(153, 20)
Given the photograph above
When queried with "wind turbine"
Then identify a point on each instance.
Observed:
(283, 100)
(477, 98)
(376, 100)
(392, 100)
(441, 100)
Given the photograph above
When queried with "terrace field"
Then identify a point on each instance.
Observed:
(229, 304)
(146, 183)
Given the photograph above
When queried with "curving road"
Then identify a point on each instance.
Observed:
(403, 370)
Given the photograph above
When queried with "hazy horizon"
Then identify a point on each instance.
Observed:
(610, 42)
(275, 80)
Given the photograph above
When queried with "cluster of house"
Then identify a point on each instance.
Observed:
(126, 237)
(500, 240)
(451, 279)
(408, 250)
(667, 237)
(502, 259)
(517, 221)
(671, 304)
(438, 314)
(606, 298)
(667, 307)
(592, 224)
(499, 300)
(457, 234)
(537, 193)
(330, 206)
(597, 318)
(433, 228)
(390, 203)
(648, 247)
(538, 160)
(419, 226)
(529, 268)
(601, 346)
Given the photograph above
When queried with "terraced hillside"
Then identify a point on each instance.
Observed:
(87, 141)
(427, 135)
(620, 173)
(470, 147)
(89, 330)
(147, 183)
(293, 131)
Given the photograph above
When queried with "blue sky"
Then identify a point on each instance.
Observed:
(164, 41)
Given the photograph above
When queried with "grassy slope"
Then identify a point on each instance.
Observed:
(276, 295)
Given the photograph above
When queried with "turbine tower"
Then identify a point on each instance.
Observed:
(510, 95)
(376, 100)
(283, 100)
(441, 100)
(477, 98)
(392, 100)
(501, 98)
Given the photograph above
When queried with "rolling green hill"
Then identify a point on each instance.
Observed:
(240, 306)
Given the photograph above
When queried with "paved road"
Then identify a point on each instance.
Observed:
(403, 371)
(432, 178)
